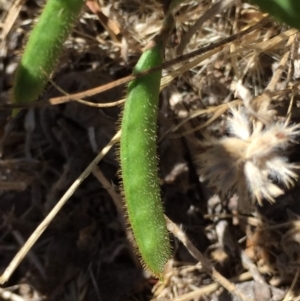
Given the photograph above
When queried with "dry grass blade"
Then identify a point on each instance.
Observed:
(210, 288)
(212, 11)
(217, 112)
(7, 295)
(277, 74)
(252, 268)
(289, 295)
(214, 47)
(85, 102)
(212, 110)
(57, 101)
(31, 255)
(173, 228)
(263, 46)
(91, 92)
(44, 224)
(101, 105)
(112, 26)
(117, 199)
(166, 80)
(274, 42)
(266, 96)
(11, 17)
(167, 64)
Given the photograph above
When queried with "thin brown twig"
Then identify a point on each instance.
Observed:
(289, 295)
(253, 269)
(212, 11)
(116, 198)
(208, 267)
(11, 17)
(210, 288)
(166, 64)
(52, 214)
(85, 102)
(124, 80)
(7, 295)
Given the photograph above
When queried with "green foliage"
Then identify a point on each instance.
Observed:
(287, 11)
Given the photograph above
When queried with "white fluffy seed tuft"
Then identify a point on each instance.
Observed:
(253, 157)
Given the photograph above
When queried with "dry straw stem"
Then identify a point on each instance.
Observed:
(208, 289)
(212, 11)
(207, 51)
(112, 26)
(177, 232)
(268, 94)
(271, 43)
(45, 223)
(290, 293)
(85, 102)
(253, 269)
(116, 198)
(166, 80)
(216, 111)
(7, 295)
(282, 64)
(256, 150)
(11, 17)
(31, 255)
(252, 221)
(180, 59)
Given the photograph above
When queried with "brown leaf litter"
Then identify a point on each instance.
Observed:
(228, 131)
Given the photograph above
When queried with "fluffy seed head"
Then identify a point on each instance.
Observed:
(254, 157)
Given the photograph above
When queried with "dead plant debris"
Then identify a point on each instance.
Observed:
(229, 134)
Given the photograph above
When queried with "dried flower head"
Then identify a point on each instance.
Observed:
(252, 160)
